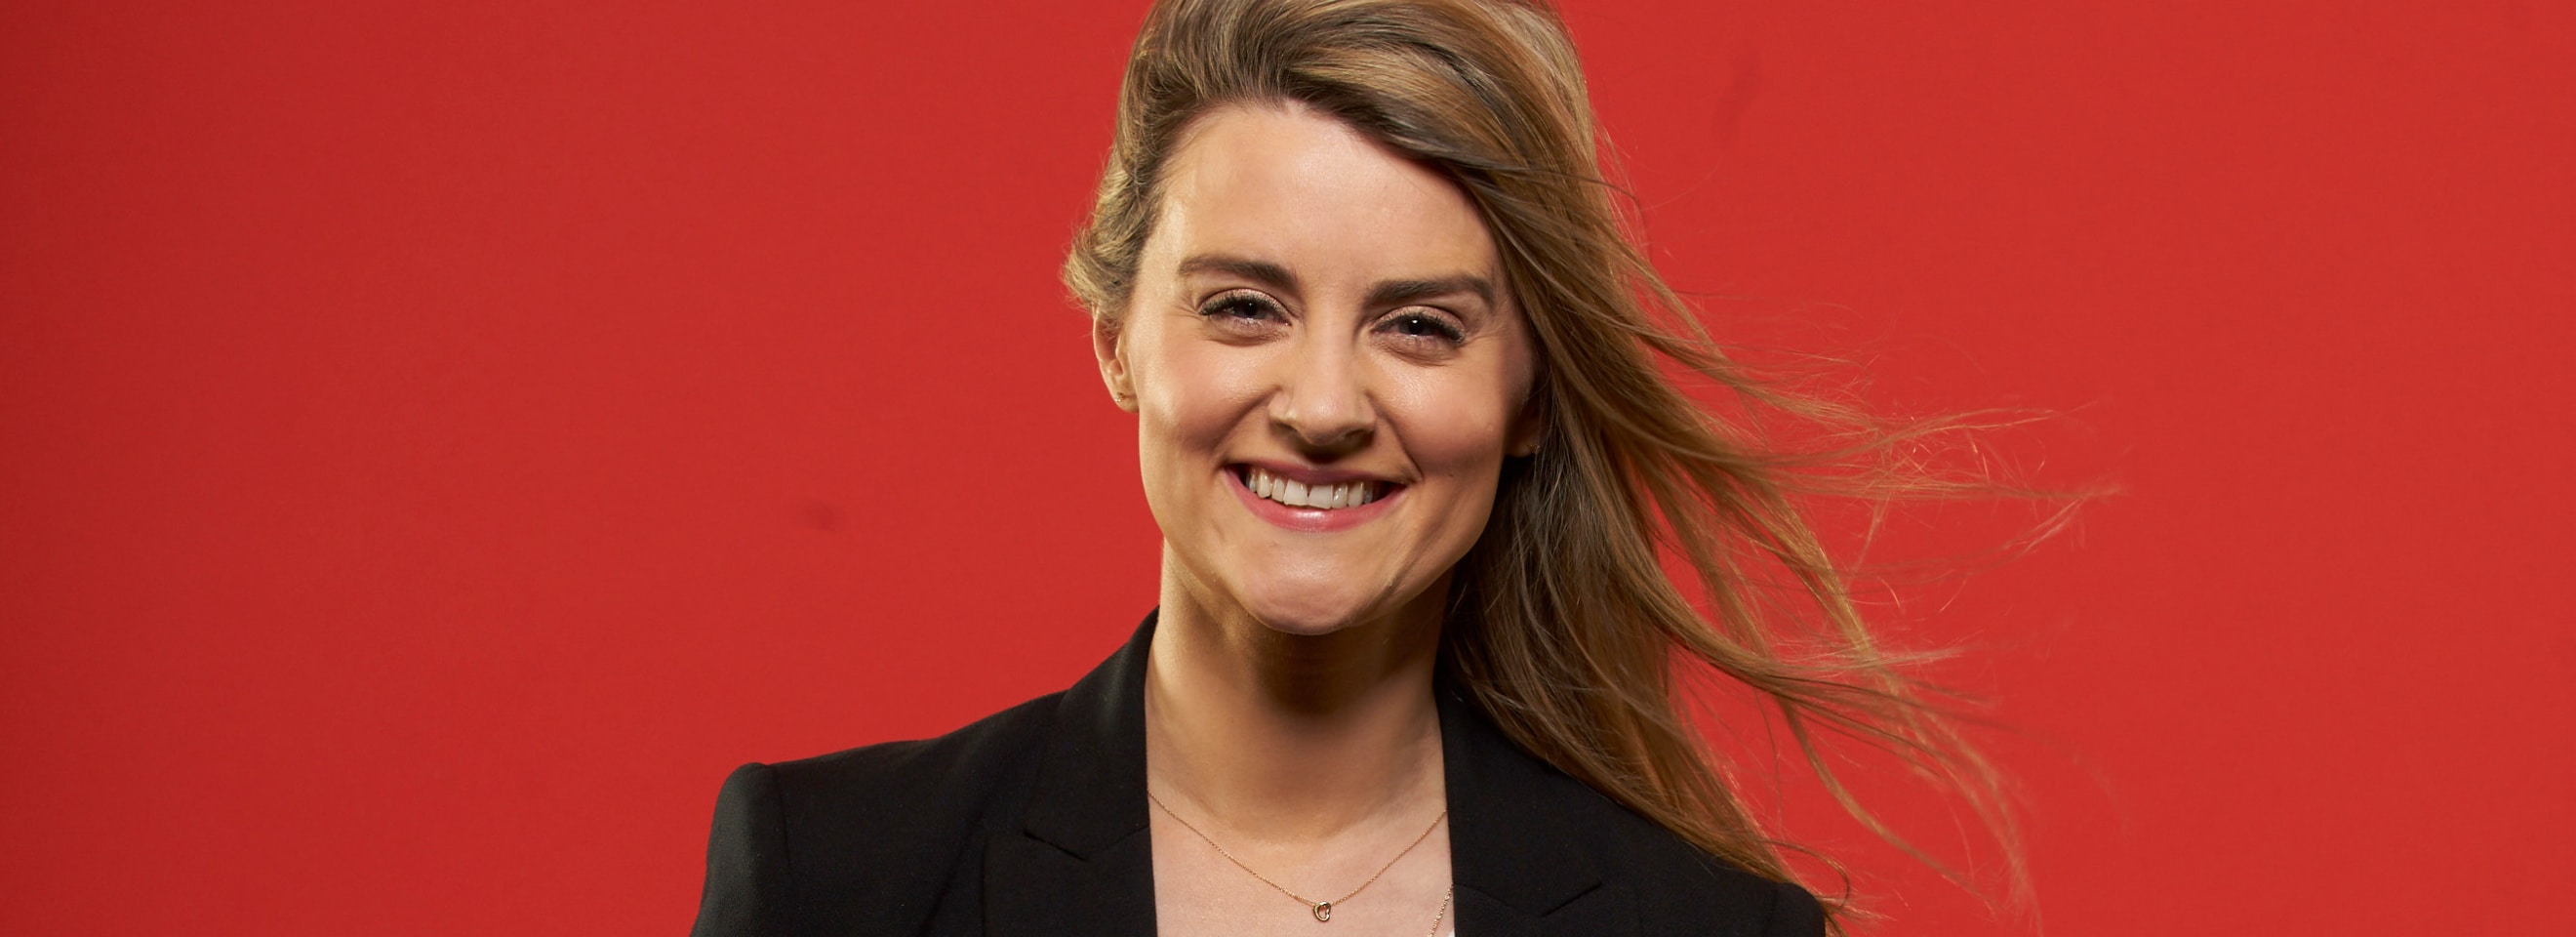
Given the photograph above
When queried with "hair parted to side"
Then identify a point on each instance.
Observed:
(1564, 626)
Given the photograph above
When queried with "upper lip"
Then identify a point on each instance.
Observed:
(1311, 475)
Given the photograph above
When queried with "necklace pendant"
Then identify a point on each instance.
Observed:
(1323, 910)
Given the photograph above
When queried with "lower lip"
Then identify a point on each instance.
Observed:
(1309, 520)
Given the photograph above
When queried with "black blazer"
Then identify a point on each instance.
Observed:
(1033, 822)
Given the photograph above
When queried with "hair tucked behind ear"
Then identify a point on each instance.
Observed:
(1565, 626)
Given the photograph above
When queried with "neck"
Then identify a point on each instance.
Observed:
(1293, 736)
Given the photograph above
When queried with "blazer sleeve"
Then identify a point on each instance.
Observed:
(746, 890)
(1794, 913)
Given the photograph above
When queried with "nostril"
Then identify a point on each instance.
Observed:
(1335, 441)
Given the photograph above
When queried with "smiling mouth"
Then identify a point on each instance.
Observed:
(1297, 494)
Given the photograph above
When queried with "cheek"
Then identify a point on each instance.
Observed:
(1190, 396)
(1454, 425)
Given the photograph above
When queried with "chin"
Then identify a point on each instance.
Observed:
(1305, 609)
(1308, 619)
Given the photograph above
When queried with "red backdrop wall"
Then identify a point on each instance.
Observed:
(438, 441)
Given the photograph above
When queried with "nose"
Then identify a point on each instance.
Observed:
(1322, 402)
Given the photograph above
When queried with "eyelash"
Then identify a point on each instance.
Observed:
(1224, 304)
(1440, 328)
(1254, 306)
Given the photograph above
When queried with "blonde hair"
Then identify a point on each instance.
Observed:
(1564, 626)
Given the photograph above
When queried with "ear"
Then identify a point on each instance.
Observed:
(1113, 362)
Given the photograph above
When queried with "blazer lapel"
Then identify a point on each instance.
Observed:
(1519, 867)
(1083, 863)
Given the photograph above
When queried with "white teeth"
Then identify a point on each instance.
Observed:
(1297, 494)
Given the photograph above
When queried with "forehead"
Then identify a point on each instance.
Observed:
(1284, 184)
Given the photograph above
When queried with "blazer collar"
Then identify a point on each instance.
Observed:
(1512, 854)
(1091, 781)
(1085, 855)
(1082, 862)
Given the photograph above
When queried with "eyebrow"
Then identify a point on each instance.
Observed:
(1399, 292)
(1385, 293)
(1258, 271)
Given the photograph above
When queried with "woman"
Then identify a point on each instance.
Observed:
(1401, 422)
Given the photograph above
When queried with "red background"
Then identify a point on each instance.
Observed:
(437, 442)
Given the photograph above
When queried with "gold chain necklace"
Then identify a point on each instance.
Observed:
(1323, 909)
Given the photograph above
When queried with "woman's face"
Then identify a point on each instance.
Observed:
(1326, 370)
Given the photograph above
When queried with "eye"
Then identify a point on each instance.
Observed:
(1241, 308)
(1423, 325)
